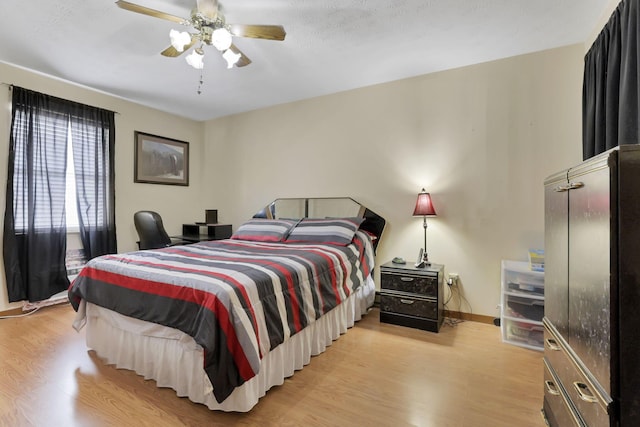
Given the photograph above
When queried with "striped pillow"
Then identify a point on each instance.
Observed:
(335, 231)
(264, 230)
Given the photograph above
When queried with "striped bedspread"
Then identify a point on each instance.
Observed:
(237, 299)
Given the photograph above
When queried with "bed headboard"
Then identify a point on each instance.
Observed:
(325, 207)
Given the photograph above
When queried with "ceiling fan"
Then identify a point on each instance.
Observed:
(208, 28)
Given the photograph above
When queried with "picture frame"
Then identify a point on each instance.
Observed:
(420, 261)
(160, 160)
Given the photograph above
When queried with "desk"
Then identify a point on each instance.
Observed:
(201, 232)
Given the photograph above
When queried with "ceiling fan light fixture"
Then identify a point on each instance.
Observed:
(179, 39)
(231, 57)
(196, 59)
(208, 28)
(221, 39)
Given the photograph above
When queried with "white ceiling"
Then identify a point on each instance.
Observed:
(331, 45)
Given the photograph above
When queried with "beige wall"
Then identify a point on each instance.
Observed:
(175, 204)
(480, 139)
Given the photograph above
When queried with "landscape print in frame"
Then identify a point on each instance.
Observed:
(160, 160)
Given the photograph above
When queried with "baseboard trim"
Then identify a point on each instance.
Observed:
(13, 312)
(451, 314)
(480, 318)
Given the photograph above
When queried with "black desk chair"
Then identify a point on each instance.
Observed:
(152, 233)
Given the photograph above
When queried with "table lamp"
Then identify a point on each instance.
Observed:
(424, 208)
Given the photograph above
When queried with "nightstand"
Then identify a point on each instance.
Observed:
(412, 296)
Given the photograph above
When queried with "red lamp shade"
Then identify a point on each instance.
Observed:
(424, 207)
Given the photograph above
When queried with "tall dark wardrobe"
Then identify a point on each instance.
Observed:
(592, 292)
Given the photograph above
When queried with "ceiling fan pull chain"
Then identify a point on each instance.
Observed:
(200, 83)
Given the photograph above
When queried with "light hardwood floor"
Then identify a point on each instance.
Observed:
(375, 375)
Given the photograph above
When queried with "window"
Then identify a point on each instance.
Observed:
(71, 204)
(39, 170)
(59, 168)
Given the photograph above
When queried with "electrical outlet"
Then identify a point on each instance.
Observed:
(453, 279)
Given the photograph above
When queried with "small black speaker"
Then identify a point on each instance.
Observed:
(211, 216)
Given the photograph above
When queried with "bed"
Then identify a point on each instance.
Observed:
(221, 322)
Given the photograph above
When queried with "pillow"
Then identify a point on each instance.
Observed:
(264, 230)
(336, 231)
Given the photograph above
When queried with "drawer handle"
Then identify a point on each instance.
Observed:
(584, 393)
(406, 279)
(552, 344)
(406, 301)
(551, 388)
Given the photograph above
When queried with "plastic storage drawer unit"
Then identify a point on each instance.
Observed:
(522, 305)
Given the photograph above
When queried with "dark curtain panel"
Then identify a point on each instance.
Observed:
(35, 232)
(610, 93)
(93, 141)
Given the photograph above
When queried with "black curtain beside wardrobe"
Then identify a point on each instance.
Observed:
(610, 93)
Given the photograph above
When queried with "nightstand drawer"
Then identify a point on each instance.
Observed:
(411, 306)
(421, 285)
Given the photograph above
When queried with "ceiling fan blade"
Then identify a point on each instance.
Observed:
(269, 32)
(151, 12)
(208, 8)
(244, 60)
(172, 52)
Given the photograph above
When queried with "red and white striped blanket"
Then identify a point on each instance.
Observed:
(237, 299)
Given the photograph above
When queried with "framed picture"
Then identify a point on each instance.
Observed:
(420, 262)
(159, 160)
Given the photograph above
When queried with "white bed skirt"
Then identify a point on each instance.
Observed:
(173, 359)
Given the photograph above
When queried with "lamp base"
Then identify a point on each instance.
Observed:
(425, 261)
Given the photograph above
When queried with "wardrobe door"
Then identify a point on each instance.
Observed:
(556, 275)
(589, 271)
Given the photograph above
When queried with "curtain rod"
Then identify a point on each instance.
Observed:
(10, 85)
